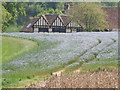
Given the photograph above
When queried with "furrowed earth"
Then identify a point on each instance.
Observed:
(99, 79)
(92, 57)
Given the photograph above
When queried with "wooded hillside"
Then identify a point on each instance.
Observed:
(16, 14)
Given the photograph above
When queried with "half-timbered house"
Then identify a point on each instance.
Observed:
(51, 23)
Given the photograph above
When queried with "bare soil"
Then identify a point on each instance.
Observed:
(102, 79)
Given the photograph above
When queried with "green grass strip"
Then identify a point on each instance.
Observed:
(14, 47)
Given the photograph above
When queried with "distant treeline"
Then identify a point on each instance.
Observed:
(18, 13)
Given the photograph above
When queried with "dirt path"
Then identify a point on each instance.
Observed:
(100, 79)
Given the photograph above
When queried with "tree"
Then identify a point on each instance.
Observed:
(55, 5)
(15, 9)
(18, 13)
(112, 4)
(50, 11)
(6, 17)
(89, 15)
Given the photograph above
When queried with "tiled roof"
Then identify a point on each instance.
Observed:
(51, 17)
(65, 20)
(29, 29)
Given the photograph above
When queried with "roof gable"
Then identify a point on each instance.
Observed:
(50, 18)
(41, 21)
(73, 24)
(65, 20)
(58, 22)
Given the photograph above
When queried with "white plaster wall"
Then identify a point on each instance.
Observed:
(35, 29)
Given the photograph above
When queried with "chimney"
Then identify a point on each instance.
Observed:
(66, 6)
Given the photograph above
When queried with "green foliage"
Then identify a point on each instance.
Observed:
(107, 4)
(6, 17)
(13, 28)
(18, 13)
(89, 15)
(110, 66)
(35, 8)
(15, 9)
(55, 5)
(112, 4)
(50, 11)
(118, 4)
(10, 13)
